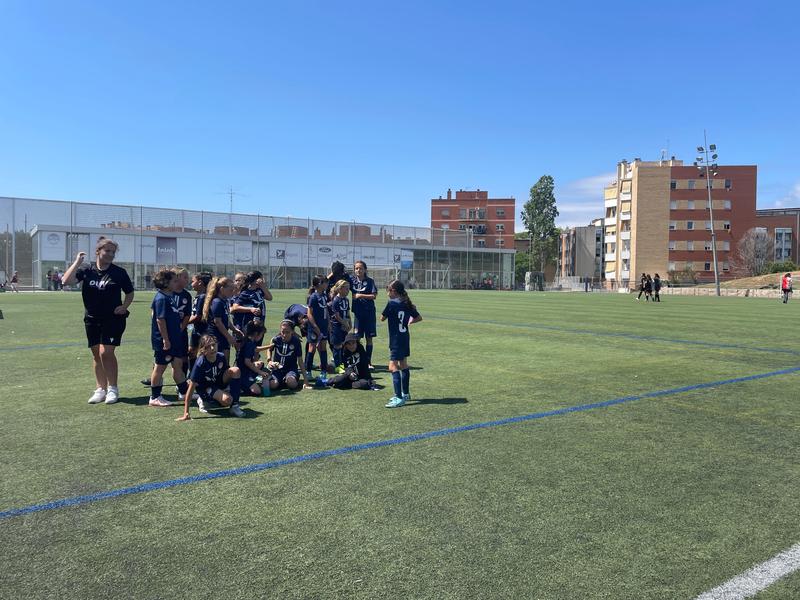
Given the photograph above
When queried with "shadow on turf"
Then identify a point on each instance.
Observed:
(445, 401)
(222, 412)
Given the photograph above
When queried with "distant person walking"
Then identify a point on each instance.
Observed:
(786, 286)
(14, 281)
(104, 318)
(642, 281)
(657, 288)
(648, 288)
(49, 278)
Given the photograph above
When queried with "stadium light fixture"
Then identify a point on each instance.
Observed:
(711, 169)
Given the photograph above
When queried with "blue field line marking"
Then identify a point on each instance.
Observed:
(629, 336)
(160, 485)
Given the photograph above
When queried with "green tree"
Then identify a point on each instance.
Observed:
(539, 217)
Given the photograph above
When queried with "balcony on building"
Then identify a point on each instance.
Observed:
(610, 203)
(610, 238)
(610, 257)
(625, 216)
(623, 235)
(625, 274)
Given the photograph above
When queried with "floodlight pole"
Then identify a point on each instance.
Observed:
(711, 212)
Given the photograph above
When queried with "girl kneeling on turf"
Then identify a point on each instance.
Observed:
(285, 353)
(247, 359)
(356, 374)
(210, 375)
(400, 312)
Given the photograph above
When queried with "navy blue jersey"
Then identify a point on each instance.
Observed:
(248, 350)
(200, 327)
(296, 312)
(362, 306)
(318, 305)
(287, 353)
(207, 373)
(183, 301)
(250, 299)
(398, 314)
(163, 307)
(341, 307)
(219, 310)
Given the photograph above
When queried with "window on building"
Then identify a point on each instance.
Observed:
(690, 245)
(726, 225)
(690, 204)
(690, 184)
(708, 225)
(462, 227)
(689, 225)
(500, 212)
(707, 266)
(462, 213)
(445, 213)
(626, 187)
(672, 225)
(672, 244)
(445, 226)
(726, 204)
(783, 243)
(673, 204)
(499, 242)
(481, 243)
(726, 266)
(689, 264)
(673, 185)
(670, 266)
(499, 227)
(727, 184)
(726, 246)
(707, 246)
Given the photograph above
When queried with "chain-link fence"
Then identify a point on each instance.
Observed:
(40, 238)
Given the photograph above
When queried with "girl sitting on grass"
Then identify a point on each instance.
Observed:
(210, 376)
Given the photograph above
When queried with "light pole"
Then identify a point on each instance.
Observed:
(711, 169)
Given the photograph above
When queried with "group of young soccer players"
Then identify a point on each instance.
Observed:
(195, 336)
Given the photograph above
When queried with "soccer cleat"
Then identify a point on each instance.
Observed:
(340, 369)
(395, 402)
(145, 382)
(201, 406)
(195, 396)
(112, 395)
(98, 396)
(159, 402)
(236, 411)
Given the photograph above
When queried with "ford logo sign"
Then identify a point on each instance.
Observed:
(53, 238)
(324, 249)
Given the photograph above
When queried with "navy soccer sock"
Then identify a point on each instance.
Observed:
(405, 376)
(323, 361)
(369, 353)
(235, 386)
(398, 389)
(309, 359)
(182, 387)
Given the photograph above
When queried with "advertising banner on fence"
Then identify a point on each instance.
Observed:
(166, 251)
(54, 245)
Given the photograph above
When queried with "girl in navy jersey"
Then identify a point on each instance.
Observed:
(285, 353)
(103, 284)
(340, 320)
(247, 359)
(216, 314)
(183, 301)
(317, 326)
(209, 377)
(200, 283)
(166, 336)
(400, 312)
(298, 314)
(250, 303)
(364, 294)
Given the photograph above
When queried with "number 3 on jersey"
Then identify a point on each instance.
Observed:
(401, 314)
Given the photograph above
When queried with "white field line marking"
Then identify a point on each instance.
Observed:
(758, 578)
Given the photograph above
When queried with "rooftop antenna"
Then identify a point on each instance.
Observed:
(231, 193)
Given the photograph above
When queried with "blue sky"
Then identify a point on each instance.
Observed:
(367, 110)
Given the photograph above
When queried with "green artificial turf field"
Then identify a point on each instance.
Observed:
(658, 496)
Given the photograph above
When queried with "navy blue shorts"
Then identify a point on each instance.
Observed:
(222, 342)
(248, 379)
(312, 336)
(194, 341)
(280, 376)
(365, 325)
(337, 335)
(160, 357)
(399, 351)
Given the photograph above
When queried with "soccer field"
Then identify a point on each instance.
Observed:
(656, 455)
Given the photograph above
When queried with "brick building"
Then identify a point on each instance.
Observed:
(490, 220)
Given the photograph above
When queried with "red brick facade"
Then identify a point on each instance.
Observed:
(491, 220)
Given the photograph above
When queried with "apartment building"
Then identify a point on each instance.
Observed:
(580, 252)
(782, 226)
(489, 220)
(657, 219)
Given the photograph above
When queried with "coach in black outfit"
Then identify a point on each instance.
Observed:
(103, 285)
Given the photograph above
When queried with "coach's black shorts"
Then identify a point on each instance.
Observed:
(107, 331)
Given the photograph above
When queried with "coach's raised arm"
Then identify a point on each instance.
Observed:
(104, 283)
